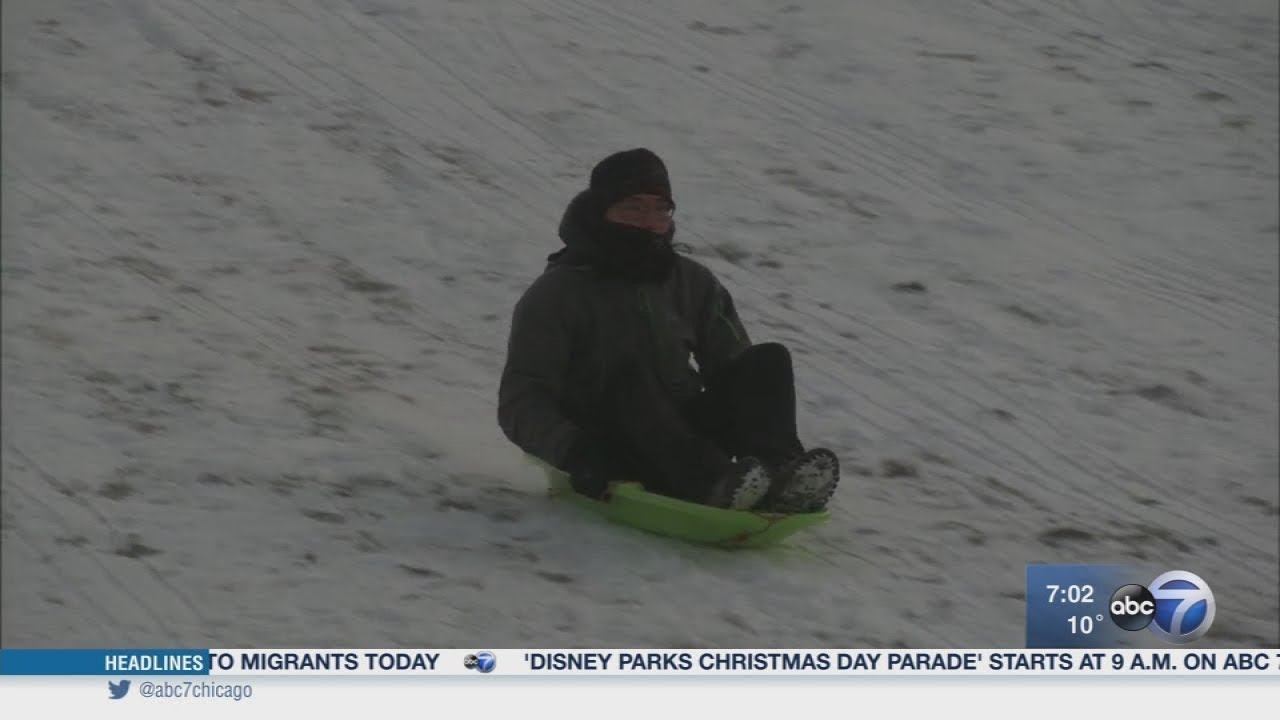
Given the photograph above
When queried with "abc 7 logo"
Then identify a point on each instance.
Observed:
(482, 661)
(1179, 610)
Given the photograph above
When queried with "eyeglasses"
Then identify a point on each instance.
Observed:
(640, 211)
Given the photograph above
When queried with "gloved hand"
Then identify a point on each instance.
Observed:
(587, 467)
(592, 483)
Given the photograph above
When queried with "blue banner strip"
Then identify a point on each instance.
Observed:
(104, 662)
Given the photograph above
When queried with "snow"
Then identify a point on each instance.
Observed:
(259, 258)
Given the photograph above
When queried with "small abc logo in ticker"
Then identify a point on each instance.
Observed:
(483, 661)
(1178, 606)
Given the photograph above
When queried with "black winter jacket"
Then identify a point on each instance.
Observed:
(575, 323)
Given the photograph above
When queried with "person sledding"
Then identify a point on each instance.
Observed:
(599, 379)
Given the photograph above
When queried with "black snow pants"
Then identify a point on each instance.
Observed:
(747, 409)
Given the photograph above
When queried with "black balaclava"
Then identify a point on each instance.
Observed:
(631, 252)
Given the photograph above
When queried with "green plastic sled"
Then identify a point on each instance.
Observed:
(630, 504)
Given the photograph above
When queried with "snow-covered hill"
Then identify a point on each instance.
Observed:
(258, 261)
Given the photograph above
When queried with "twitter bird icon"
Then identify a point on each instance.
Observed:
(118, 690)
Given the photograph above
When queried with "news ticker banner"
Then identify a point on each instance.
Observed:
(1115, 606)
(170, 663)
(1080, 619)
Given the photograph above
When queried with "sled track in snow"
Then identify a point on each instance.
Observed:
(1087, 27)
(152, 599)
(273, 337)
(272, 62)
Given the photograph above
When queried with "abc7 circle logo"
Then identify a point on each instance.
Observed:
(1179, 609)
(482, 661)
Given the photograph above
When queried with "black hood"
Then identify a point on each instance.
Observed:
(631, 253)
(575, 231)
